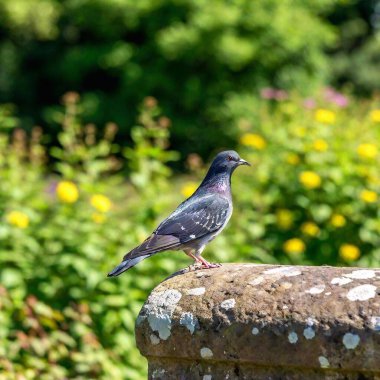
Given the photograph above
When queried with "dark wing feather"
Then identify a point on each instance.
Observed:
(196, 218)
(154, 243)
(190, 221)
(193, 219)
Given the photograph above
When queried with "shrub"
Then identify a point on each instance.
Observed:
(60, 316)
(190, 55)
(315, 183)
(311, 197)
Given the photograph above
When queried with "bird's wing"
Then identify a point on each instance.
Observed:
(190, 221)
(197, 217)
(154, 243)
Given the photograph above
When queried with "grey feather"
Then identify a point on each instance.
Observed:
(196, 221)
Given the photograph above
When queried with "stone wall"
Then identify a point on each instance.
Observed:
(245, 321)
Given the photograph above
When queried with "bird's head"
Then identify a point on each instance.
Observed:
(227, 162)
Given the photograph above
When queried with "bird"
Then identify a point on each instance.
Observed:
(196, 221)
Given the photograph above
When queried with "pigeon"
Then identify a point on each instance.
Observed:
(196, 221)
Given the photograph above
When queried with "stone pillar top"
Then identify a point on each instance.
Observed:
(290, 317)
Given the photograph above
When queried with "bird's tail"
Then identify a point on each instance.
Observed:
(152, 245)
(125, 265)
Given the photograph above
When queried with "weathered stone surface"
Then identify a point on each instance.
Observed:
(245, 321)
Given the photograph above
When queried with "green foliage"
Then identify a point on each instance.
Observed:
(311, 197)
(148, 157)
(315, 191)
(190, 55)
(61, 317)
(356, 54)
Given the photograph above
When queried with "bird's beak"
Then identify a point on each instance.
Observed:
(244, 162)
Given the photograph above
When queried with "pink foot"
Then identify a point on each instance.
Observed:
(207, 265)
(211, 265)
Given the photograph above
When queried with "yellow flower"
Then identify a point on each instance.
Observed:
(310, 180)
(368, 196)
(300, 131)
(364, 171)
(349, 252)
(367, 150)
(253, 140)
(338, 220)
(188, 189)
(293, 159)
(320, 145)
(18, 219)
(294, 246)
(101, 202)
(325, 116)
(375, 116)
(310, 228)
(284, 218)
(67, 192)
(373, 179)
(98, 218)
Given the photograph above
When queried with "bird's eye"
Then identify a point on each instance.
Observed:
(229, 158)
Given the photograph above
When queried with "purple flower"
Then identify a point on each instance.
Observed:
(340, 100)
(273, 93)
(309, 103)
(268, 93)
(336, 97)
(52, 185)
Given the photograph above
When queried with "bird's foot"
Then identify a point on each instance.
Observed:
(211, 265)
(207, 265)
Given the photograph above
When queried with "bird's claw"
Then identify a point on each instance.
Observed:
(199, 265)
(208, 265)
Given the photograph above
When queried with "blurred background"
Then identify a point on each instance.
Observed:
(110, 112)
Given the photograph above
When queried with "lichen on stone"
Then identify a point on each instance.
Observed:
(299, 319)
(283, 271)
(154, 339)
(323, 362)
(362, 292)
(309, 333)
(196, 291)
(340, 281)
(228, 304)
(361, 274)
(159, 310)
(206, 353)
(351, 341)
(189, 321)
(255, 331)
(375, 323)
(316, 289)
(292, 337)
(158, 373)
